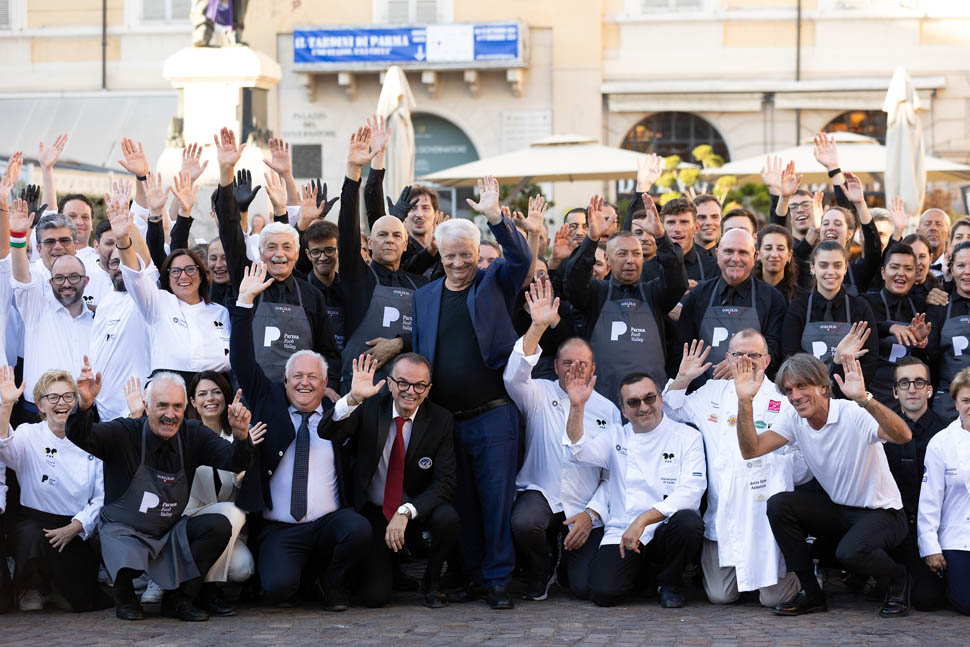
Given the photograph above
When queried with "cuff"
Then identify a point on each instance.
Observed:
(342, 409)
(293, 212)
(85, 530)
(413, 510)
(532, 359)
(665, 507)
(9, 439)
(240, 304)
(570, 444)
(929, 544)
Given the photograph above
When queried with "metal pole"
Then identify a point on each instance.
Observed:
(104, 44)
(798, 67)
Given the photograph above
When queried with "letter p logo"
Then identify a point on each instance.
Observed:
(819, 348)
(271, 334)
(720, 334)
(391, 315)
(616, 329)
(959, 345)
(148, 501)
(896, 352)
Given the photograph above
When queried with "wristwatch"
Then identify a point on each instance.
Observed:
(406, 511)
(865, 403)
(591, 515)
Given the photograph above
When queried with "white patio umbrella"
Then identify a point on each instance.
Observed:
(395, 105)
(862, 155)
(905, 171)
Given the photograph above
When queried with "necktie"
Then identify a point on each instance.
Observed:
(726, 297)
(828, 312)
(394, 482)
(301, 468)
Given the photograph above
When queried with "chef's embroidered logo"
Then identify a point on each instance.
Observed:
(601, 423)
(218, 324)
(774, 406)
(712, 418)
(50, 453)
(621, 449)
(668, 457)
(759, 424)
(732, 421)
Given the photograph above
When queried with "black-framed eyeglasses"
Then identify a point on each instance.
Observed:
(634, 403)
(114, 263)
(754, 357)
(73, 278)
(795, 206)
(190, 270)
(904, 384)
(54, 398)
(314, 252)
(50, 242)
(417, 387)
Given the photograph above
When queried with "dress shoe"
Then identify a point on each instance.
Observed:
(435, 599)
(335, 600)
(212, 601)
(670, 598)
(129, 610)
(468, 593)
(897, 600)
(538, 587)
(176, 605)
(498, 598)
(802, 603)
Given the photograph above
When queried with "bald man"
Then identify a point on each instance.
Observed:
(934, 224)
(376, 295)
(718, 308)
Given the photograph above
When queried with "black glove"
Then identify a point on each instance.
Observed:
(243, 191)
(31, 195)
(322, 197)
(403, 205)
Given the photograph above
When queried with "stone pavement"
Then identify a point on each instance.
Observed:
(557, 621)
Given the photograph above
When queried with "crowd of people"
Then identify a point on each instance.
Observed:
(295, 410)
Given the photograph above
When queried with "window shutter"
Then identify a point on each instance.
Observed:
(153, 10)
(425, 11)
(398, 12)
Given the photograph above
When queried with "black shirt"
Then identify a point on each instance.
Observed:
(906, 460)
(462, 381)
(118, 444)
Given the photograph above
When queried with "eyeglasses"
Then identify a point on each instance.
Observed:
(314, 252)
(190, 270)
(54, 398)
(404, 385)
(754, 357)
(114, 263)
(795, 206)
(73, 278)
(634, 403)
(904, 384)
(50, 242)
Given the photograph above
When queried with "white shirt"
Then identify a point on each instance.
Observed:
(92, 291)
(3, 488)
(53, 339)
(322, 496)
(375, 489)
(941, 261)
(661, 469)
(119, 349)
(845, 455)
(943, 521)
(6, 310)
(547, 467)
(183, 337)
(99, 282)
(55, 475)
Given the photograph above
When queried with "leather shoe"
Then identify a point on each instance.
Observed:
(336, 601)
(468, 593)
(435, 599)
(498, 598)
(212, 601)
(671, 598)
(179, 606)
(129, 610)
(802, 603)
(897, 599)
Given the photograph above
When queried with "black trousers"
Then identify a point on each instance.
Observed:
(613, 578)
(330, 547)
(579, 563)
(928, 592)
(865, 536)
(535, 530)
(377, 579)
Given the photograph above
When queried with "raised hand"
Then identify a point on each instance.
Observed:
(694, 362)
(257, 433)
(596, 225)
(826, 152)
(853, 386)
(543, 304)
(118, 215)
(851, 346)
(362, 383)
(920, 328)
(243, 190)
(88, 385)
(771, 174)
(818, 208)
(649, 169)
(536, 221)
(10, 177)
(380, 134)
(239, 417)
(253, 283)
(790, 181)
(191, 156)
(275, 191)
(134, 397)
(31, 195)
(853, 188)
(310, 208)
(404, 204)
(9, 391)
(48, 157)
(650, 222)
(900, 218)
(360, 152)
(228, 154)
(578, 387)
(184, 193)
(279, 156)
(135, 162)
(155, 194)
(322, 198)
(747, 378)
(561, 244)
(487, 204)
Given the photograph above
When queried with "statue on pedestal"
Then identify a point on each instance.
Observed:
(206, 14)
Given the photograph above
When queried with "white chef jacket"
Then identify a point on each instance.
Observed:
(99, 282)
(53, 339)
(663, 469)
(183, 337)
(119, 349)
(92, 291)
(845, 455)
(3, 488)
(55, 475)
(737, 489)
(8, 317)
(547, 467)
(943, 519)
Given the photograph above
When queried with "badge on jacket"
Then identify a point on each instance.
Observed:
(424, 463)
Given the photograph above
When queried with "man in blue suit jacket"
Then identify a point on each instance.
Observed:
(463, 325)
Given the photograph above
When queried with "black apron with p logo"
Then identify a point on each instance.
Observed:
(955, 352)
(626, 339)
(144, 529)
(279, 330)
(820, 338)
(388, 316)
(721, 323)
(890, 351)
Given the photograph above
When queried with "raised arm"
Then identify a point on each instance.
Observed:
(892, 428)
(7, 181)
(747, 382)
(668, 289)
(242, 355)
(280, 162)
(136, 163)
(47, 157)
(20, 223)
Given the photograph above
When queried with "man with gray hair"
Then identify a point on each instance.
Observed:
(149, 464)
(860, 508)
(290, 314)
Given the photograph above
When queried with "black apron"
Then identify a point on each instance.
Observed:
(721, 323)
(849, 285)
(279, 330)
(336, 315)
(388, 315)
(144, 529)
(820, 338)
(955, 356)
(890, 351)
(626, 339)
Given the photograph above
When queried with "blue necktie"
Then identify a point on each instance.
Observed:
(301, 468)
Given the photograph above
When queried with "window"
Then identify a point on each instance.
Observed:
(5, 22)
(871, 123)
(654, 6)
(413, 12)
(164, 11)
(674, 133)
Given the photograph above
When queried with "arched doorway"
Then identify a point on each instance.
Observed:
(440, 144)
(871, 123)
(674, 133)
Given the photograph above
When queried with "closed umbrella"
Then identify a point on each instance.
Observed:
(395, 105)
(905, 166)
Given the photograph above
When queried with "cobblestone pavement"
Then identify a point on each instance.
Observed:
(557, 621)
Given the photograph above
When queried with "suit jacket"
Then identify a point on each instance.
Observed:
(267, 402)
(425, 485)
(491, 301)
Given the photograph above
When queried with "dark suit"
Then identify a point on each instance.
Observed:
(428, 487)
(285, 549)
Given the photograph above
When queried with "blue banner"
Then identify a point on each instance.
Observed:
(434, 44)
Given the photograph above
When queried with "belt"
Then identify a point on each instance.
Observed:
(488, 406)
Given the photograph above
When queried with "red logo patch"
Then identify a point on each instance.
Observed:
(774, 406)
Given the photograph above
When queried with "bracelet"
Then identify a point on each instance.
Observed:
(16, 234)
(130, 243)
(18, 245)
(141, 178)
(18, 239)
(835, 171)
